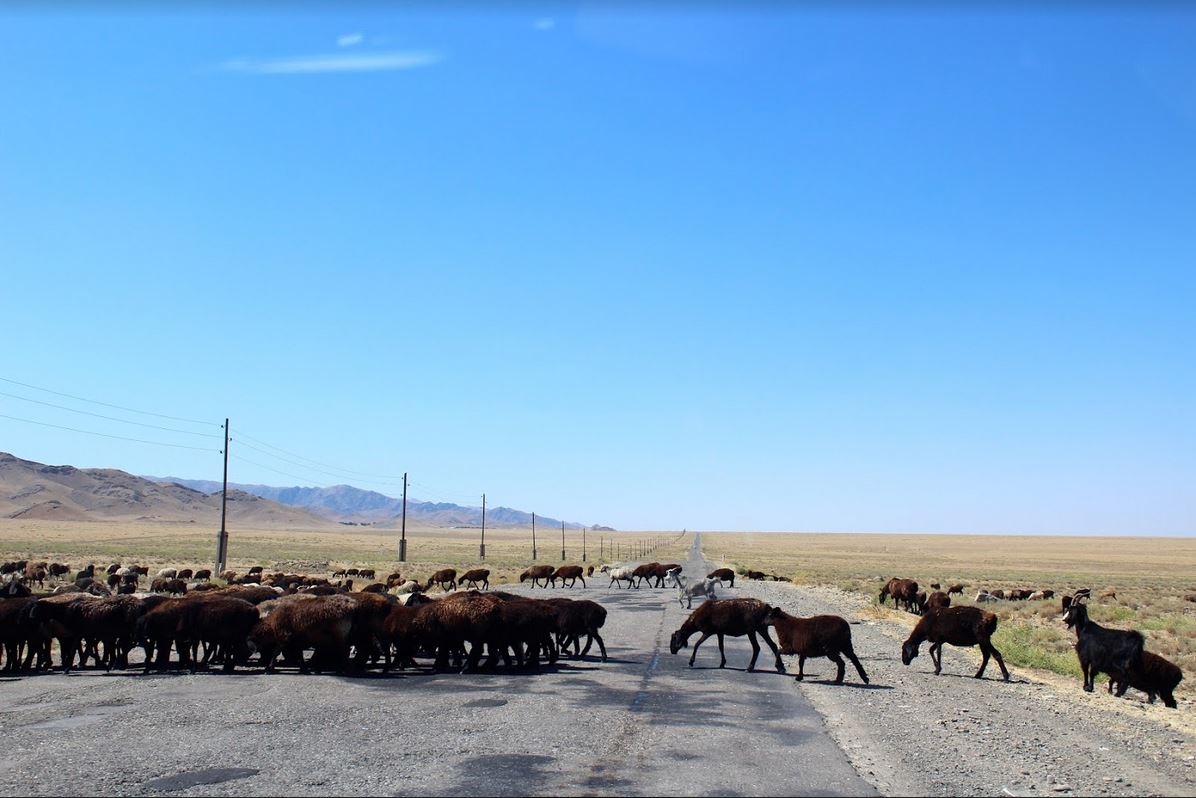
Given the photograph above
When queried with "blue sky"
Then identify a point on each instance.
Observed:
(787, 267)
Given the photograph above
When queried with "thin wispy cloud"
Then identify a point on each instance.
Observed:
(349, 39)
(544, 23)
(339, 62)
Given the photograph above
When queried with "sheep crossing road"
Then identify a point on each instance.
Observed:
(642, 723)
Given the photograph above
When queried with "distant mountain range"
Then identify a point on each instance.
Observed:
(64, 493)
(347, 504)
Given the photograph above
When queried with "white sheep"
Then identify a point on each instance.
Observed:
(618, 575)
(704, 587)
(410, 586)
(982, 596)
(168, 573)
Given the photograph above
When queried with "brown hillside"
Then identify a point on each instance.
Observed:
(32, 490)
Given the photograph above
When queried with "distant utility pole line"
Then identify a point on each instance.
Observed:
(403, 533)
(222, 535)
(482, 550)
(562, 541)
(533, 536)
(583, 544)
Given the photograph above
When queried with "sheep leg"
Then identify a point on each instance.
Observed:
(763, 630)
(755, 650)
(856, 662)
(801, 667)
(701, 640)
(722, 654)
(601, 645)
(997, 656)
(840, 666)
(936, 656)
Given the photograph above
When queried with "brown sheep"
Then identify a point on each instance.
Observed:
(36, 572)
(758, 575)
(1108, 594)
(1153, 675)
(569, 572)
(820, 636)
(367, 634)
(537, 572)
(661, 572)
(735, 617)
(935, 586)
(959, 626)
(323, 623)
(445, 626)
(221, 624)
(161, 626)
(523, 624)
(953, 589)
(16, 628)
(645, 571)
(938, 600)
(722, 575)
(203, 574)
(902, 590)
(254, 595)
(443, 577)
(576, 618)
(228, 576)
(185, 573)
(474, 577)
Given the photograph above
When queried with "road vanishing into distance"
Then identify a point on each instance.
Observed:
(641, 723)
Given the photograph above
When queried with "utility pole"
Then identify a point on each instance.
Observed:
(583, 544)
(482, 550)
(533, 537)
(403, 532)
(222, 535)
(562, 541)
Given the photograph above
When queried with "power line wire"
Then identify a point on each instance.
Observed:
(106, 435)
(106, 404)
(345, 475)
(268, 468)
(107, 418)
(260, 442)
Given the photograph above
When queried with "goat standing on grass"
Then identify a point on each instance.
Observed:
(1101, 650)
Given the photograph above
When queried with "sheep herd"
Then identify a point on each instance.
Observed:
(1118, 653)
(279, 617)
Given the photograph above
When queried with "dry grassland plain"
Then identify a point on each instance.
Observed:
(1151, 577)
(508, 551)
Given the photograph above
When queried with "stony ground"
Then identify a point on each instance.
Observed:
(916, 733)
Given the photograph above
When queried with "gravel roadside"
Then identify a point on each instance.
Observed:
(911, 732)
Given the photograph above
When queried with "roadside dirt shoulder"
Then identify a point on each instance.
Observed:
(911, 732)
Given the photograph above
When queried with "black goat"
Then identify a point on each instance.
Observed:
(1101, 650)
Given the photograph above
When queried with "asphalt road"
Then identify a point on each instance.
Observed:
(641, 723)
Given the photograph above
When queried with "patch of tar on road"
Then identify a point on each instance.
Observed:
(482, 703)
(79, 720)
(199, 778)
(502, 774)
